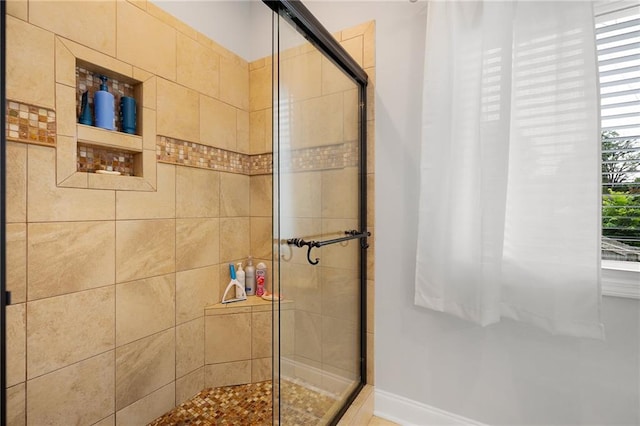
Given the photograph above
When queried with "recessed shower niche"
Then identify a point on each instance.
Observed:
(92, 157)
(100, 150)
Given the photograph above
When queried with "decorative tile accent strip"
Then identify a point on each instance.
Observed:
(176, 151)
(92, 158)
(30, 123)
(325, 157)
(261, 164)
(88, 80)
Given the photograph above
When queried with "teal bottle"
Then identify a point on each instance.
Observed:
(85, 115)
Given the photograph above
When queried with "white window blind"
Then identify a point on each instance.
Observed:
(618, 47)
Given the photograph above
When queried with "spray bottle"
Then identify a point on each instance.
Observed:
(261, 279)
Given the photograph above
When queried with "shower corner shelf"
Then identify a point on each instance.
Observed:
(253, 303)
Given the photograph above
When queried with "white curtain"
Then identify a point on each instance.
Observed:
(510, 176)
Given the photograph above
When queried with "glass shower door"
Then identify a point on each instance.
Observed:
(317, 347)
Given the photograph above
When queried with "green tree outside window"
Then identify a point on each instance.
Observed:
(620, 197)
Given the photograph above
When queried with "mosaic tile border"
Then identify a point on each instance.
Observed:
(261, 164)
(33, 124)
(176, 151)
(30, 123)
(326, 157)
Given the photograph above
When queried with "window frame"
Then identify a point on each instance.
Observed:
(619, 278)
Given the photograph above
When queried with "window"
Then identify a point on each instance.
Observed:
(618, 47)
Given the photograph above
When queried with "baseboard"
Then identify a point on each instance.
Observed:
(408, 412)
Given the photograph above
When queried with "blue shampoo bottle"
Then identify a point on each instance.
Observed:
(103, 104)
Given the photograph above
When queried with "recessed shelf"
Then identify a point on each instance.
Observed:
(114, 144)
(82, 149)
(109, 138)
(87, 80)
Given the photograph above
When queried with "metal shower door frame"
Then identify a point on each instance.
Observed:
(3, 175)
(313, 31)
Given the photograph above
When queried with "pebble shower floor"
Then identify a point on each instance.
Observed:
(249, 404)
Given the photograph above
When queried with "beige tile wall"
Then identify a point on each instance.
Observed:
(87, 384)
(110, 285)
(112, 292)
(260, 111)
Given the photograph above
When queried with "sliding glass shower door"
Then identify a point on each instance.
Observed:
(318, 360)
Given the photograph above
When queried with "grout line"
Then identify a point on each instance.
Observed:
(115, 303)
(69, 365)
(26, 284)
(175, 287)
(143, 397)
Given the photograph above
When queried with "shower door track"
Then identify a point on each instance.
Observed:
(312, 30)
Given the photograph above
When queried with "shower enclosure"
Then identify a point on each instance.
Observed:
(142, 253)
(319, 218)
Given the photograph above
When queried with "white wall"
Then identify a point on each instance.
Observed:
(506, 374)
(225, 21)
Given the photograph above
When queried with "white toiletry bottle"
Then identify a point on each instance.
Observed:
(261, 279)
(250, 278)
(241, 279)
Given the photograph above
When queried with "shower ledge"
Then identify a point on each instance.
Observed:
(252, 304)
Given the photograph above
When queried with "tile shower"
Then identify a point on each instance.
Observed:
(138, 267)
